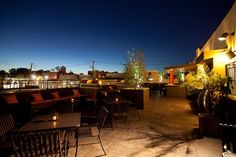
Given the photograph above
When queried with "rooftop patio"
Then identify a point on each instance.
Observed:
(168, 128)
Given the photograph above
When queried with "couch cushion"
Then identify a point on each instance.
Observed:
(76, 92)
(37, 96)
(56, 94)
(10, 99)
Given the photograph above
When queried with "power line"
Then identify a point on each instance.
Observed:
(110, 63)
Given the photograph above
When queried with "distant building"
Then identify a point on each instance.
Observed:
(72, 77)
(62, 70)
(152, 76)
(115, 75)
(49, 76)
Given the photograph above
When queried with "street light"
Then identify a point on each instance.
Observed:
(33, 76)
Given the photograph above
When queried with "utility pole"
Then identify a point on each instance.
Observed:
(93, 70)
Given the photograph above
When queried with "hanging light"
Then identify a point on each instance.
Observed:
(224, 36)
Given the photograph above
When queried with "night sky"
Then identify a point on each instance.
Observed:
(73, 33)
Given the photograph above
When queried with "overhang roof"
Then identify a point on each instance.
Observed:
(190, 66)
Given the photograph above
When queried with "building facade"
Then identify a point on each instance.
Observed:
(220, 49)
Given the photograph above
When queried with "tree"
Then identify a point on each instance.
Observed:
(13, 72)
(134, 68)
(71, 73)
(19, 72)
(23, 72)
(3, 74)
(57, 68)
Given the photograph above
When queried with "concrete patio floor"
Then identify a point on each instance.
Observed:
(167, 129)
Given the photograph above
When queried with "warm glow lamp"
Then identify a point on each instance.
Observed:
(224, 36)
(54, 117)
(230, 54)
(46, 77)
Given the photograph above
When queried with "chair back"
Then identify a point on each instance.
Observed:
(121, 107)
(7, 124)
(101, 118)
(34, 144)
(228, 137)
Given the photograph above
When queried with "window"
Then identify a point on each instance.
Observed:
(231, 72)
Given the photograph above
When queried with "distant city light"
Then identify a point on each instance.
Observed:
(46, 77)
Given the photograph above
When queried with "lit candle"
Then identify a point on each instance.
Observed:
(54, 116)
(117, 99)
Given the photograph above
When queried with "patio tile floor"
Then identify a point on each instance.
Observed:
(167, 129)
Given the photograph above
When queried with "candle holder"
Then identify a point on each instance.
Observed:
(54, 117)
(117, 99)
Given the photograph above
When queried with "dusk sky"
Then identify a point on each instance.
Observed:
(73, 33)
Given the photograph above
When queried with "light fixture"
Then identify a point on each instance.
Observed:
(224, 35)
(46, 77)
(230, 54)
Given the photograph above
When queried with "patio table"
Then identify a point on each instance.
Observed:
(43, 122)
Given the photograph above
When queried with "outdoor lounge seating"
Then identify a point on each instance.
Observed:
(63, 100)
(39, 102)
(17, 105)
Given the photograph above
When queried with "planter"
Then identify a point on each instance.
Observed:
(138, 96)
(208, 125)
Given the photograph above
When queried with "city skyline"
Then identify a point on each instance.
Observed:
(76, 33)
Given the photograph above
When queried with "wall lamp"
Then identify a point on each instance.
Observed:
(230, 54)
(224, 35)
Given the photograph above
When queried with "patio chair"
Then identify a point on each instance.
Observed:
(40, 143)
(7, 127)
(88, 131)
(228, 124)
(121, 109)
(228, 137)
(135, 109)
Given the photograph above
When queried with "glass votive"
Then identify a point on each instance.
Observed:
(54, 117)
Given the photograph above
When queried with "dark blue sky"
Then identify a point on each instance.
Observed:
(73, 33)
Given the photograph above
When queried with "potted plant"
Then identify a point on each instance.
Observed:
(211, 87)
